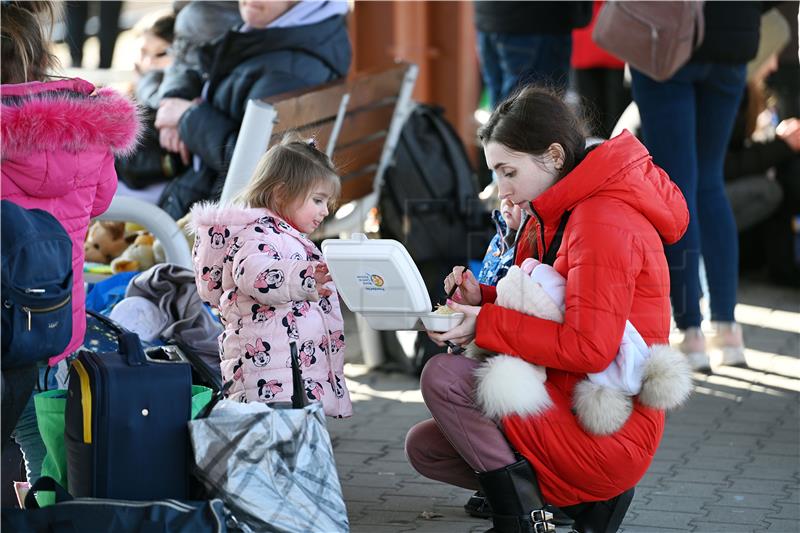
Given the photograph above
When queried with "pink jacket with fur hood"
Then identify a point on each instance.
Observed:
(59, 139)
(258, 271)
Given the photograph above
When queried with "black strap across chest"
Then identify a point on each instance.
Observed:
(555, 244)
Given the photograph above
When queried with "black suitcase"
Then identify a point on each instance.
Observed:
(126, 431)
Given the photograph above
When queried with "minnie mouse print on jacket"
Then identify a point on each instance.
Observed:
(258, 271)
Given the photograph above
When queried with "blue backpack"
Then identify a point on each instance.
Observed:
(36, 286)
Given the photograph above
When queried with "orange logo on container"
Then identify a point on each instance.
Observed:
(377, 280)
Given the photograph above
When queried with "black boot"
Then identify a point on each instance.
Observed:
(600, 517)
(517, 505)
(478, 506)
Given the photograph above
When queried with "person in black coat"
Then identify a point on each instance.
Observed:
(282, 46)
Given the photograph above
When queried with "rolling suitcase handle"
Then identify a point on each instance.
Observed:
(131, 347)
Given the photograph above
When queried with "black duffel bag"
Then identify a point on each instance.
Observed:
(94, 515)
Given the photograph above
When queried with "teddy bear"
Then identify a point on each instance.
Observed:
(137, 257)
(658, 375)
(105, 241)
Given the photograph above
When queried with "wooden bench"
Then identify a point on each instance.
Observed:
(356, 121)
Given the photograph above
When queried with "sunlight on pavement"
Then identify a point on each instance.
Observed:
(768, 318)
(356, 375)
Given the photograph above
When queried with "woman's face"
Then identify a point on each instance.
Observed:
(520, 177)
(259, 13)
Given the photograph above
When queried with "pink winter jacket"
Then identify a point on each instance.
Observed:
(59, 139)
(258, 271)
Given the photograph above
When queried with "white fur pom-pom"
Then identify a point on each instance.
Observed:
(507, 385)
(667, 378)
(600, 410)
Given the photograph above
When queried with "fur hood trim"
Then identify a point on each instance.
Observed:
(204, 214)
(44, 120)
(507, 385)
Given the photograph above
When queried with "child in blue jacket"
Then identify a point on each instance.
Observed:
(500, 254)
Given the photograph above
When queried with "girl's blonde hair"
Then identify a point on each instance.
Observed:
(25, 28)
(289, 172)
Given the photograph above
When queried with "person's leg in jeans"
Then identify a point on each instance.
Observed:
(718, 97)
(669, 131)
(534, 58)
(26, 434)
(490, 67)
(448, 385)
(717, 101)
(17, 386)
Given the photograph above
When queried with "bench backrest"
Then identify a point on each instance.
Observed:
(357, 121)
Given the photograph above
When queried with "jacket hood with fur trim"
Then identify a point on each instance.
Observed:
(66, 115)
(63, 128)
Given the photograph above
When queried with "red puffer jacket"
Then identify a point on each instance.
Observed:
(624, 209)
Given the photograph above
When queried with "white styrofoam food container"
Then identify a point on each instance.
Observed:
(378, 279)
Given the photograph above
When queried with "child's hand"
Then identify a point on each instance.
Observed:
(322, 276)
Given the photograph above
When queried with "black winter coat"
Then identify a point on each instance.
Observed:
(732, 31)
(240, 67)
(531, 17)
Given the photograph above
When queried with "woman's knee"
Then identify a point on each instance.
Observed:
(444, 373)
(418, 443)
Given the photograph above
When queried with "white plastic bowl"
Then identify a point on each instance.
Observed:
(436, 322)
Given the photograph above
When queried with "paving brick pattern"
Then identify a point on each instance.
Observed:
(729, 460)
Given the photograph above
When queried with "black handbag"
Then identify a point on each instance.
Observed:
(94, 515)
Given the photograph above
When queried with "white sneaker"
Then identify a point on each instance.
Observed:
(728, 340)
(693, 347)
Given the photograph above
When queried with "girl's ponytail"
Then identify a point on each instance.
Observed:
(26, 28)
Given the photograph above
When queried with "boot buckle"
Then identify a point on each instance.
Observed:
(541, 521)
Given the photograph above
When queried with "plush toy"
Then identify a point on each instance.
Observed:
(139, 255)
(105, 241)
(658, 375)
(184, 224)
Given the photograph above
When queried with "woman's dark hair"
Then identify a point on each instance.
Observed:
(25, 29)
(531, 120)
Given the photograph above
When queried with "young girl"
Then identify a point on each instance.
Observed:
(256, 264)
(59, 139)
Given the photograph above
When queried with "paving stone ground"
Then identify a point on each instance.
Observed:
(729, 460)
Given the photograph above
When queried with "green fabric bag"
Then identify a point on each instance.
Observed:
(200, 398)
(50, 407)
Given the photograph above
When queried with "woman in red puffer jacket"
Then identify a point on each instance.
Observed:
(621, 210)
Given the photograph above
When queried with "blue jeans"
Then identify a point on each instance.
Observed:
(26, 434)
(686, 126)
(509, 60)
